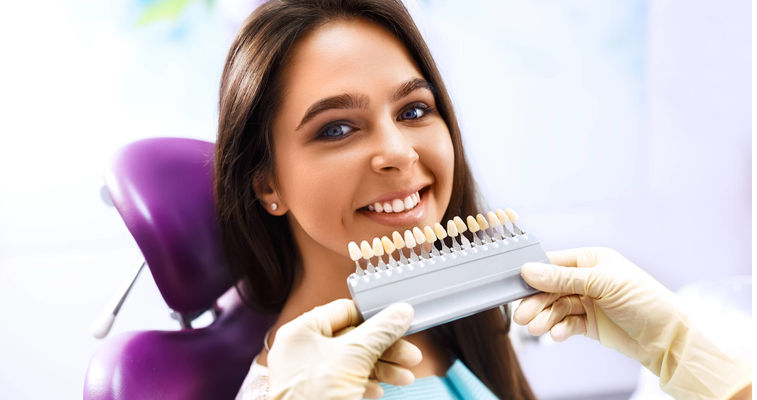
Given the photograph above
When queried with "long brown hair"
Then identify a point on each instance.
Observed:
(259, 248)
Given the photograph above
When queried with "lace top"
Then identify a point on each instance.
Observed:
(458, 383)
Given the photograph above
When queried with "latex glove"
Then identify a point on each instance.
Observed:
(599, 293)
(307, 359)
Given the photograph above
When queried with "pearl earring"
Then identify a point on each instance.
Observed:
(274, 206)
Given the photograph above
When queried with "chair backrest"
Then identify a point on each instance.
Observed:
(163, 190)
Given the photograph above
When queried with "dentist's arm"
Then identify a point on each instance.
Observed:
(313, 356)
(599, 293)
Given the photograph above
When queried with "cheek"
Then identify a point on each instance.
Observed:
(315, 189)
(439, 157)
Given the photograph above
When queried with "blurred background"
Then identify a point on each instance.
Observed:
(616, 123)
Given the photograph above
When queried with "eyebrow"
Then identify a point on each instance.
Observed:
(347, 100)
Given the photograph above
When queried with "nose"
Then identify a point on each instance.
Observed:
(394, 151)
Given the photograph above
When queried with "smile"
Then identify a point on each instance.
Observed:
(396, 205)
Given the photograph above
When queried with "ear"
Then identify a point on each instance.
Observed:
(265, 189)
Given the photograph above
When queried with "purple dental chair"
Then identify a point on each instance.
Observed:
(163, 190)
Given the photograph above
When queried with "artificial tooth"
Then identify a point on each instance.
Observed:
(378, 207)
(464, 242)
(431, 238)
(378, 251)
(387, 207)
(513, 217)
(389, 249)
(460, 224)
(355, 255)
(441, 234)
(473, 228)
(420, 238)
(398, 205)
(399, 244)
(511, 214)
(367, 251)
(481, 220)
(452, 231)
(494, 222)
(409, 203)
(410, 243)
(503, 219)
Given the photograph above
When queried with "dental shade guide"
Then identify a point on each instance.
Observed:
(442, 286)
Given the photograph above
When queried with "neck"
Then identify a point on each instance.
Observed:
(323, 278)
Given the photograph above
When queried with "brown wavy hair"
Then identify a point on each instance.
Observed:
(262, 256)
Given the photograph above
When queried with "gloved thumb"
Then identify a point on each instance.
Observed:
(379, 332)
(556, 279)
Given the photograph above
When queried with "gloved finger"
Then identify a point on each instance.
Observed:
(571, 325)
(379, 332)
(373, 390)
(393, 374)
(402, 353)
(557, 279)
(532, 305)
(563, 307)
(566, 258)
(332, 317)
(343, 331)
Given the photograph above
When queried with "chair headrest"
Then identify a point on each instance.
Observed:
(163, 189)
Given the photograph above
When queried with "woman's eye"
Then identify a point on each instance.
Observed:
(416, 111)
(336, 131)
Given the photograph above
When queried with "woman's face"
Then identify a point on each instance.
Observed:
(357, 131)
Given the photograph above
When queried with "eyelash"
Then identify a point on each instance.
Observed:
(425, 110)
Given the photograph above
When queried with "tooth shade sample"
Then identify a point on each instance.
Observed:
(388, 245)
(409, 203)
(378, 207)
(482, 222)
(452, 228)
(387, 207)
(398, 205)
(502, 216)
(430, 236)
(460, 225)
(365, 248)
(439, 231)
(511, 214)
(355, 253)
(378, 249)
(493, 221)
(409, 240)
(418, 235)
(472, 224)
(398, 242)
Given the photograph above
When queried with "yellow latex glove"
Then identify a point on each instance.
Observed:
(319, 354)
(599, 293)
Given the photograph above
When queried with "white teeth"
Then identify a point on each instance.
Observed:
(409, 202)
(396, 205)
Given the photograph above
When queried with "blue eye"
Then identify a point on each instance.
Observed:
(336, 131)
(416, 111)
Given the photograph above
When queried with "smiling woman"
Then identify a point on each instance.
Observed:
(335, 126)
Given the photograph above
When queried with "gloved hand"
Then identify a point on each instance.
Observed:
(599, 293)
(311, 358)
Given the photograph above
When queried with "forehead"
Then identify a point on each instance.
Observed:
(351, 55)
